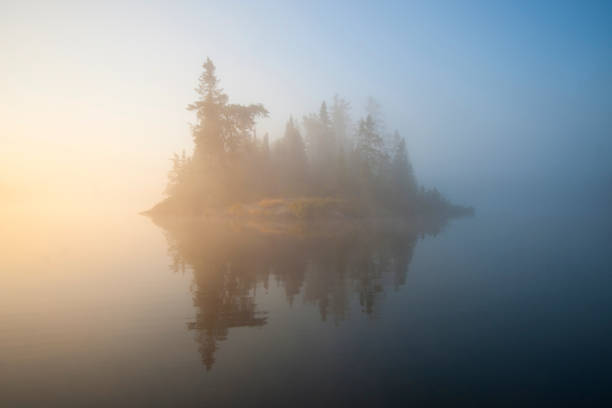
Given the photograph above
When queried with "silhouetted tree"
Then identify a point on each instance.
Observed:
(221, 128)
(404, 184)
(223, 135)
(341, 123)
(229, 165)
(290, 156)
(370, 158)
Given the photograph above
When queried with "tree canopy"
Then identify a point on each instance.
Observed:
(322, 155)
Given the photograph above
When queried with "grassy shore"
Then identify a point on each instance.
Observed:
(300, 214)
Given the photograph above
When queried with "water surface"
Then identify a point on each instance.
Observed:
(509, 306)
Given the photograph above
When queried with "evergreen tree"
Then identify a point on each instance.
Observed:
(291, 160)
(222, 134)
(370, 146)
(221, 127)
(231, 166)
(324, 115)
(374, 111)
(295, 145)
(403, 181)
(179, 177)
(371, 161)
(206, 132)
(341, 122)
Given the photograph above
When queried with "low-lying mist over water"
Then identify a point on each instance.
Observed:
(121, 310)
(384, 204)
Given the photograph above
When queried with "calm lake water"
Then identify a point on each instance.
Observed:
(510, 306)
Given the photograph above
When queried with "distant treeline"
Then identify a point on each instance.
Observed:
(325, 154)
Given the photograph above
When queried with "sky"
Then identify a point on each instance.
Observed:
(487, 94)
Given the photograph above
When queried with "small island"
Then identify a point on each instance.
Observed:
(323, 169)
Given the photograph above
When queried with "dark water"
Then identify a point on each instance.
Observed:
(509, 307)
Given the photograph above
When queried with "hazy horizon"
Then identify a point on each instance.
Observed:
(451, 246)
(93, 96)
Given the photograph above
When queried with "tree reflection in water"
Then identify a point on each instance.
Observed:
(327, 263)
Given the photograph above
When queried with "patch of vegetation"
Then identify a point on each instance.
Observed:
(305, 208)
(329, 165)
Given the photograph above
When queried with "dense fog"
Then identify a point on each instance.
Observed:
(503, 101)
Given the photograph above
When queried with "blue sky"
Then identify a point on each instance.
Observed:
(484, 92)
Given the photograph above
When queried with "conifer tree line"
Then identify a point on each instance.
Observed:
(323, 154)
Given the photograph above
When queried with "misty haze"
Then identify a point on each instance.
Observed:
(268, 204)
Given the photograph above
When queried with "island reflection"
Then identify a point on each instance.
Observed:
(329, 264)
